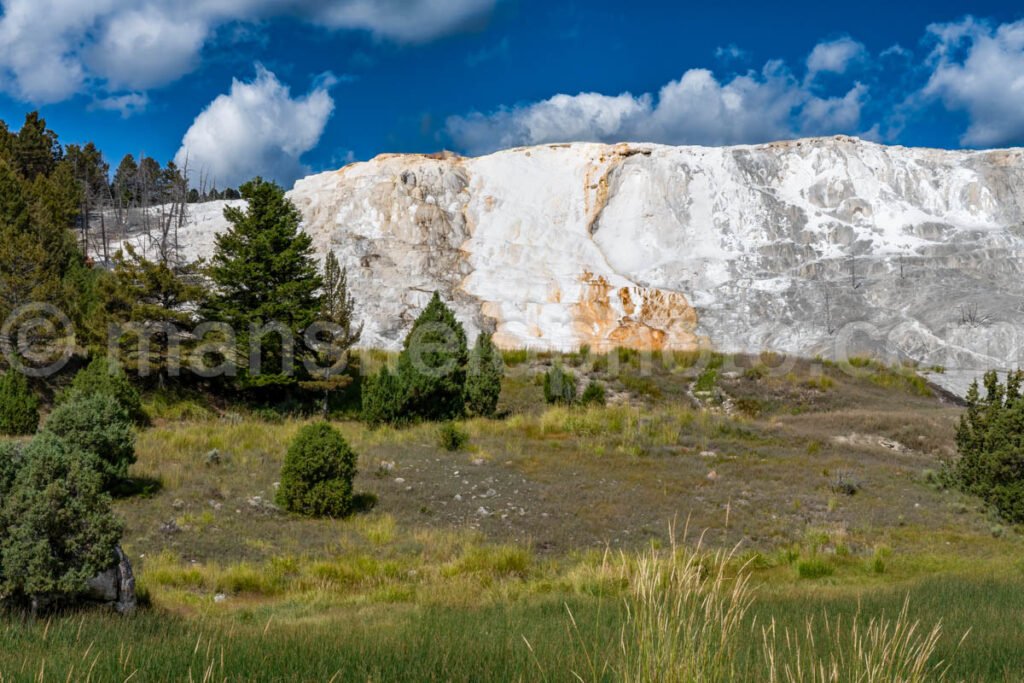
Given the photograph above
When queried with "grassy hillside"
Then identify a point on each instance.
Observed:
(821, 481)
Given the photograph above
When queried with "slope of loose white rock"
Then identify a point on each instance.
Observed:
(798, 246)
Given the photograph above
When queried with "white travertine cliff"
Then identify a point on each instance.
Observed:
(792, 246)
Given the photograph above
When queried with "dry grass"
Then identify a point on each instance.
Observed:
(878, 650)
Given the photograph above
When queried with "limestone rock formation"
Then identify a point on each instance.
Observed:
(815, 246)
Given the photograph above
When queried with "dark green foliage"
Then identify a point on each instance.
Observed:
(10, 462)
(264, 273)
(451, 437)
(339, 333)
(433, 364)
(559, 386)
(483, 378)
(19, 409)
(151, 304)
(58, 530)
(383, 398)
(990, 440)
(99, 425)
(594, 394)
(103, 376)
(318, 471)
(36, 149)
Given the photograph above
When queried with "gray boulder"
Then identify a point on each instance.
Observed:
(115, 586)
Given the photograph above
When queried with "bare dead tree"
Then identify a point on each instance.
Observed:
(829, 325)
(970, 316)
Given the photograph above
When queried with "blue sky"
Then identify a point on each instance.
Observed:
(284, 87)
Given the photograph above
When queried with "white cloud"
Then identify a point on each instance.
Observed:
(979, 69)
(587, 116)
(256, 129)
(696, 109)
(834, 56)
(53, 49)
(127, 105)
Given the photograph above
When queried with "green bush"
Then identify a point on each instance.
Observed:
(98, 425)
(559, 386)
(451, 438)
(19, 409)
(103, 376)
(383, 398)
(432, 364)
(594, 394)
(483, 378)
(989, 441)
(56, 527)
(316, 480)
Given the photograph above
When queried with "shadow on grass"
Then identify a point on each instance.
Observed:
(131, 487)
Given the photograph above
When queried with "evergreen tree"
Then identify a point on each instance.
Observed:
(483, 378)
(57, 529)
(57, 201)
(25, 272)
(383, 397)
(433, 364)
(103, 376)
(559, 386)
(990, 441)
(337, 310)
(125, 181)
(316, 479)
(19, 408)
(99, 426)
(152, 304)
(36, 149)
(264, 273)
(6, 144)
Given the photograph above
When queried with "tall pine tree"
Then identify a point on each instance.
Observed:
(337, 311)
(433, 364)
(264, 273)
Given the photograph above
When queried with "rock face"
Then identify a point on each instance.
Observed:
(812, 247)
(115, 586)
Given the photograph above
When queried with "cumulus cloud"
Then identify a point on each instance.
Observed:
(696, 109)
(834, 56)
(257, 128)
(979, 69)
(53, 49)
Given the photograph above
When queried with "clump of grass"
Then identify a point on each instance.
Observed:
(685, 612)
(751, 407)
(814, 568)
(756, 372)
(820, 383)
(515, 357)
(706, 381)
(451, 437)
(642, 386)
(884, 650)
